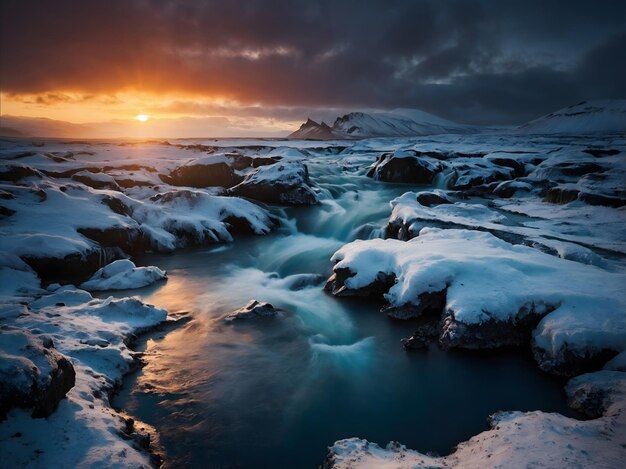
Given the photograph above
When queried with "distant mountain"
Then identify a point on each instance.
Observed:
(605, 116)
(396, 123)
(13, 126)
(10, 132)
(311, 130)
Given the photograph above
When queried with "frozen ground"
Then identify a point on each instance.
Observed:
(516, 238)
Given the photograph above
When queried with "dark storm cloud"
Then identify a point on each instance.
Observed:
(475, 61)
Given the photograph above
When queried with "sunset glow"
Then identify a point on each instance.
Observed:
(275, 228)
(264, 71)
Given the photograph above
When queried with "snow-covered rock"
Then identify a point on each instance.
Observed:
(192, 217)
(45, 228)
(17, 278)
(33, 374)
(208, 171)
(474, 172)
(96, 180)
(519, 439)
(541, 225)
(402, 166)
(84, 431)
(431, 198)
(409, 216)
(253, 310)
(282, 183)
(491, 293)
(123, 274)
(104, 225)
(587, 117)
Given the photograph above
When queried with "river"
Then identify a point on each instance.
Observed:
(276, 392)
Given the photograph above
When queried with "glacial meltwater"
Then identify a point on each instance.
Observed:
(276, 392)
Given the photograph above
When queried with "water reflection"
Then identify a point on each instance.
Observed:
(276, 392)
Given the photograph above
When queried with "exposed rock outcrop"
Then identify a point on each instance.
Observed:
(33, 374)
(253, 310)
(405, 167)
(281, 183)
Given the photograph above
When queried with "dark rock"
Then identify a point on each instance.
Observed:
(6, 211)
(265, 161)
(4, 195)
(130, 240)
(422, 337)
(95, 183)
(561, 195)
(381, 284)
(600, 152)
(593, 394)
(508, 189)
(288, 184)
(390, 168)
(492, 333)
(33, 374)
(15, 173)
(516, 165)
(253, 310)
(239, 161)
(568, 362)
(468, 177)
(203, 175)
(601, 199)
(573, 169)
(117, 205)
(565, 171)
(127, 182)
(241, 225)
(129, 167)
(76, 265)
(198, 147)
(428, 302)
(430, 199)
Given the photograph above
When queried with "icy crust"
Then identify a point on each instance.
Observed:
(494, 293)
(552, 227)
(190, 217)
(123, 274)
(520, 439)
(582, 170)
(92, 334)
(131, 197)
(51, 220)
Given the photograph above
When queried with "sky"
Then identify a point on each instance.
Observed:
(235, 67)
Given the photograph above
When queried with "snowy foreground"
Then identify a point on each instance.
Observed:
(516, 439)
(499, 240)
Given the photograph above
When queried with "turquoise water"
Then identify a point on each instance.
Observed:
(277, 392)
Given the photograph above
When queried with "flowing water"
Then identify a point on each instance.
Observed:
(276, 392)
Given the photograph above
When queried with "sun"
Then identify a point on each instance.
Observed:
(142, 117)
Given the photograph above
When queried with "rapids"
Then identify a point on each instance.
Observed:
(275, 393)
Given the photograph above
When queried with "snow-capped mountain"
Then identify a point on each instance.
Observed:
(586, 117)
(396, 123)
(313, 131)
